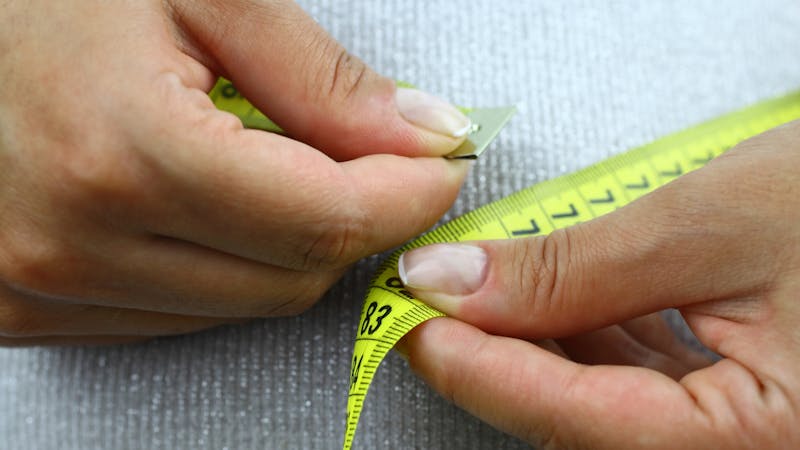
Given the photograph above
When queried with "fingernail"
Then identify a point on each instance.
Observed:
(431, 112)
(452, 269)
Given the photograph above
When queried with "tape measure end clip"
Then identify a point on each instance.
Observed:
(487, 123)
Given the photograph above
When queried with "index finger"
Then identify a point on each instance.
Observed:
(271, 199)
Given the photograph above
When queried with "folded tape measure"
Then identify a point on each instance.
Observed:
(389, 311)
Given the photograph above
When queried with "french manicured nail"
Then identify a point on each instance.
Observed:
(450, 269)
(431, 112)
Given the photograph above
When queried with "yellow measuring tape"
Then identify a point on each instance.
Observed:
(389, 311)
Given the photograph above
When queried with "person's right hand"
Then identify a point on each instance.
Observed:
(131, 207)
(720, 244)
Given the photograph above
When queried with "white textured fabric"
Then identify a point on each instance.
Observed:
(590, 79)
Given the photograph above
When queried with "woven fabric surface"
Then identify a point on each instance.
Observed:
(590, 79)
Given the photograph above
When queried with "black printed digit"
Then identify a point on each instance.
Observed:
(385, 309)
(370, 311)
(355, 370)
(367, 326)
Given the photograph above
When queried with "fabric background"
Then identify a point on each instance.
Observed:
(590, 79)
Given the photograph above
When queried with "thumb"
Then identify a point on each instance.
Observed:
(304, 80)
(677, 246)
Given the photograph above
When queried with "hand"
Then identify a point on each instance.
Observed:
(720, 244)
(131, 207)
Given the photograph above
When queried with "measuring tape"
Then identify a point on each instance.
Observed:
(390, 311)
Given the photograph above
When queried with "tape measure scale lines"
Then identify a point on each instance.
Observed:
(389, 311)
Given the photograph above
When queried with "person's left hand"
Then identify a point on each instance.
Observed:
(131, 207)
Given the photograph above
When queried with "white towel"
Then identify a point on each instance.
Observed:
(590, 79)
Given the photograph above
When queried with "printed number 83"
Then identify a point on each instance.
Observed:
(367, 326)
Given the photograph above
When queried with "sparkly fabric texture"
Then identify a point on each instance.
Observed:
(590, 79)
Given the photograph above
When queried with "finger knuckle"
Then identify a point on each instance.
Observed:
(347, 75)
(99, 179)
(38, 266)
(341, 76)
(98, 176)
(337, 243)
(544, 263)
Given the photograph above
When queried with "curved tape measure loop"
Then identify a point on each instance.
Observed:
(389, 311)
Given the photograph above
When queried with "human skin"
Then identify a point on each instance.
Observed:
(558, 339)
(131, 207)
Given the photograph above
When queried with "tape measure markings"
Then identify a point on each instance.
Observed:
(563, 201)
(389, 311)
